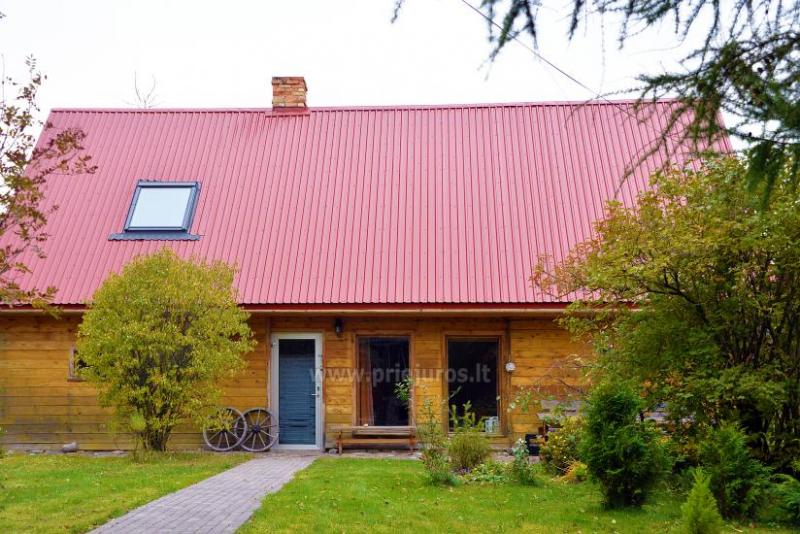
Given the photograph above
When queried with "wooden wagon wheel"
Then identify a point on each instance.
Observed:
(225, 430)
(262, 430)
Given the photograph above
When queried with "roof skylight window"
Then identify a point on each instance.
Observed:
(161, 210)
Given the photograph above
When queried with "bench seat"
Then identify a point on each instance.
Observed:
(377, 435)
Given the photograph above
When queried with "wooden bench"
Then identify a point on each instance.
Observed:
(377, 435)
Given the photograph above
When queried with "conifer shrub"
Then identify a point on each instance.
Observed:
(787, 492)
(624, 454)
(699, 512)
(739, 482)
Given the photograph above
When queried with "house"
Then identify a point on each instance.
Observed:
(369, 241)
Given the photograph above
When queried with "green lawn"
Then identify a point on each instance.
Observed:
(357, 495)
(74, 493)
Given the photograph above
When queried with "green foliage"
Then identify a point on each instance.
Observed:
(24, 170)
(468, 446)
(521, 468)
(402, 390)
(712, 275)
(489, 472)
(700, 514)
(623, 454)
(739, 482)
(562, 447)
(158, 339)
(434, 446)
(787, 491)
(576, 472)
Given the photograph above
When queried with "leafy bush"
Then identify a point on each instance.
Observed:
(713, 271)
(434, 447)
(739, 481)
(700, 513)
(576, 472)
(562, 447)
(403, 389)
(521, 468)
(489, 472)
(158, 339)
(787, 492)
(468, 446)
(624, 454)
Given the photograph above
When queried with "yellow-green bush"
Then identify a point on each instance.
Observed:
(561, 448)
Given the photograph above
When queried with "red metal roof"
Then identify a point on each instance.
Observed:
(401, 205)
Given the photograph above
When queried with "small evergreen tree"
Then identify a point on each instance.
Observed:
(700, 513)
(622, 453)
(738, 481)
(158, 338)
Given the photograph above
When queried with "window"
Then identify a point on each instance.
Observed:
(382, 364)
(472, 377)
(76, 365)
(161, 210)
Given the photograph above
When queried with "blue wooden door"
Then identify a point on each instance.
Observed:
(297, 410)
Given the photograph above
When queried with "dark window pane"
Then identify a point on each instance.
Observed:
(383, 362)
(296, 347)
(472, 375)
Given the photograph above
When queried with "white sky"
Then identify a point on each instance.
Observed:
(223, 53)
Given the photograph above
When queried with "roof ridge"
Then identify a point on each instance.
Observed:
(546, 103)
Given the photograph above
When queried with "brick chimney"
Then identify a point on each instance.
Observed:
(288, 92)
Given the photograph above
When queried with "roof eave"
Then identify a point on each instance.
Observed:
(358, 309)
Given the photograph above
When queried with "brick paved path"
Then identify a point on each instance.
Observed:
(215, 505)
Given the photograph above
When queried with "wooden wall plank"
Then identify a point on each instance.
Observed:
(39, 407)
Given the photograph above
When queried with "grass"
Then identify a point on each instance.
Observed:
(74, 493)
(384, 495)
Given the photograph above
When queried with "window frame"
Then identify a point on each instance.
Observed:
(500, 340)
(359, 382)
(188, 216)
(74, 367)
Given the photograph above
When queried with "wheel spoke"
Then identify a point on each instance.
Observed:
(224, 430)
(260, 434)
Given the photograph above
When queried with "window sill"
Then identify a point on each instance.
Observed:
(153, 236)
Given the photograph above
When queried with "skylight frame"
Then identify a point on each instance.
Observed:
(188, 216)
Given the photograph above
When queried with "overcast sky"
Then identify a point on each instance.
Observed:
(223, 53)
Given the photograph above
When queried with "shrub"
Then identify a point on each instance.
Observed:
(738, 481)
(787, 492)
(157, 340)
(623, 454)
(434, 447)
(576, 472)
(489, 472)
(561, 448)
(468, 446)
(700, 513)
(521, 468)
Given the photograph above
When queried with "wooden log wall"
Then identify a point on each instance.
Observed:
(41, 408)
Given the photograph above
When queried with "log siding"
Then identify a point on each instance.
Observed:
(42, 408)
